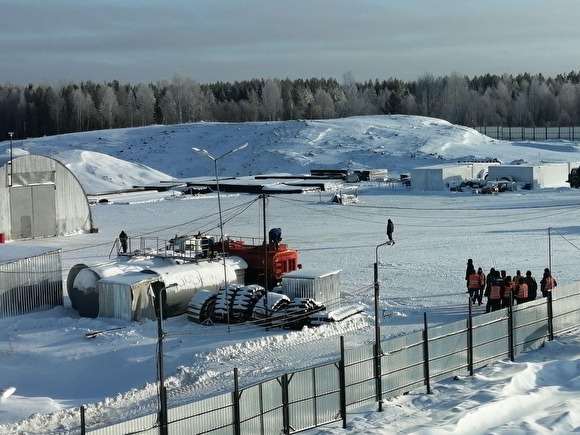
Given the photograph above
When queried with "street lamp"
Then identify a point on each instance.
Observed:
(378, 352)
(205, 153)
(159, 303)
(10, 133)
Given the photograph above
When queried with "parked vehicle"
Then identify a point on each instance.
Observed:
(574, 178)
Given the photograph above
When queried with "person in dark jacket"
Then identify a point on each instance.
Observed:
(488, 282)
(482, 283)
(496, 292)
(547, 283)
(275, 236)
(390, 230)
(470, 269)
(532, 286)
(123, 239)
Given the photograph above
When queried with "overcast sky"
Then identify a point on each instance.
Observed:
(227, 40)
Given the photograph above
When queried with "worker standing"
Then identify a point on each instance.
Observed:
(390, 230)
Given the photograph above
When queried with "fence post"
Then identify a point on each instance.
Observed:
(550, 317)
(511, 327)
(83, 423)
(237, 428)
(342, 381)
(470, 339)
(285, 405)
(426, 354)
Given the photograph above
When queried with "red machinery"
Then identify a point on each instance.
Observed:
(277, 259)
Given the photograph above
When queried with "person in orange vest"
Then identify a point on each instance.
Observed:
(473, 285)
(508, 292)
(516, 278)
(548, 283)
(489, 280)
(495, 292)
(522, 291)
(481, 286)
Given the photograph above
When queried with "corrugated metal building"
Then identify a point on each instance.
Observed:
(539, 176)
(30, 279)
(322, 286)
(40, 197)
(439, 177)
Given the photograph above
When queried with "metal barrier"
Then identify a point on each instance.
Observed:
(323, 394)
(530, 133)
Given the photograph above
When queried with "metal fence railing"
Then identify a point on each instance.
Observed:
(530, 133)
(323, 394)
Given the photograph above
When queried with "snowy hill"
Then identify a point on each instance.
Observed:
(115, 159)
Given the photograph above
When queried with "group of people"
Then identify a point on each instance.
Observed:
(501, 290)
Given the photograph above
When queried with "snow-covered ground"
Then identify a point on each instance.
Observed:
(55, 369)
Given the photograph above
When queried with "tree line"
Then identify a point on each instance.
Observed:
(493, 100)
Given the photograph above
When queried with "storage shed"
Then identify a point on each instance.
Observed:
(40, 197)
(322, 286)
(538, 176)
(30, 279)
(439, 177)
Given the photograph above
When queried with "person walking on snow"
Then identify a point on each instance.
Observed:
(473, 286)
(390, 230)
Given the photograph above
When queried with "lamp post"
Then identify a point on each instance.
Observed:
(205, 153)
(160, 302)
(10, 133)
(378, 352)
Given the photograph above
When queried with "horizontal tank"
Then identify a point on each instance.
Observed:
(186, 279)
(126, 289)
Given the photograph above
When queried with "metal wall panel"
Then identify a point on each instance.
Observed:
(490, 339)
(31, 284)
(566, 307)
(530, 326)
(212, 415)
(402, 364)
(43, 211)
(146, 425)
(21, 212)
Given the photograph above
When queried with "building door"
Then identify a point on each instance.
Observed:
(33, 211)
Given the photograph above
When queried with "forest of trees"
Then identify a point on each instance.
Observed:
(490, 100)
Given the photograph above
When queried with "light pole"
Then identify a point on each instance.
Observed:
(160, 302)
(205, 153)
(10, 133)
(378, 352)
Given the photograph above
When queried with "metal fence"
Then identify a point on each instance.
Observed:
(531, 133)
(324, 394)
(31, 283)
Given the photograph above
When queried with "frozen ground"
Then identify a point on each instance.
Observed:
(55, 369)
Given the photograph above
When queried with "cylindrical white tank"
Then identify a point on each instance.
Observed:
(82, 279)
(189, 277)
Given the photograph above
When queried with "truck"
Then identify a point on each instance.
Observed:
(574, 177)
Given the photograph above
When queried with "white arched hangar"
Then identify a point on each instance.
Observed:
(40, 197)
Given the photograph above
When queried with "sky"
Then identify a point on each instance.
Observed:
(49, 368)
(138, 41)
